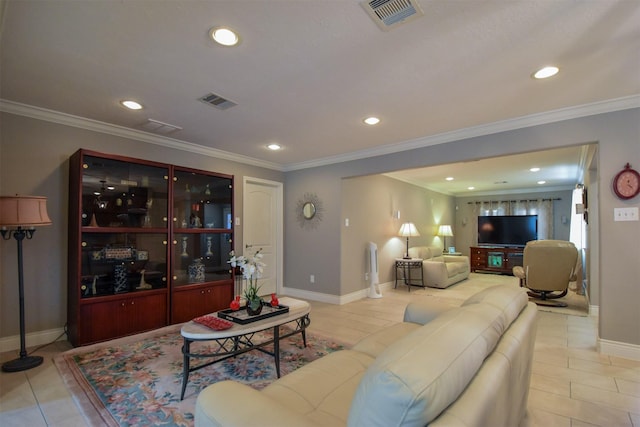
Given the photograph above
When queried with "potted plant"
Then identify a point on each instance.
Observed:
(251, 270)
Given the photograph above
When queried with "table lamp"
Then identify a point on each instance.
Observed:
(445, 231)
(408, 229)
(18, 217)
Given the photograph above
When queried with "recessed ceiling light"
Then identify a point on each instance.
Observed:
(534, 169)
(449, 178)
(542, 182)
(372, 120)
(471, 188)
(224, 36)
(132, 105)
(546, 72)
(274, 146)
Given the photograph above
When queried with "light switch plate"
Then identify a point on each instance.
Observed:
(625, 214)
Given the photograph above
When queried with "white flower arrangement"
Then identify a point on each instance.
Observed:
(252, 269)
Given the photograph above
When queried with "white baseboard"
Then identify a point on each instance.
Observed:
(32, 339)
(333, 299)
(619, 349)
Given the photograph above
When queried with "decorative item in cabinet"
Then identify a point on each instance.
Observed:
(201, 257)
(111, 264)
(202, 199)
(117, 193)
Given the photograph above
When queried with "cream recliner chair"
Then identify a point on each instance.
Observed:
(548, 267)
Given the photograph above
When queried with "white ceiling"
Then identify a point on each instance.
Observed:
(560, 169)
(307, 72)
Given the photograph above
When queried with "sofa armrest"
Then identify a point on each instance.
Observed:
(518, 271)
(228, 403)
(424, 312)
(456, 258)
(435, 270)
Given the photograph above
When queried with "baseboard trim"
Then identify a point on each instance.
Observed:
(333, 299)
(32, 339)
(619, 349)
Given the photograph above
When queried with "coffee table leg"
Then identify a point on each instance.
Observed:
(276, 348)
(185, 366)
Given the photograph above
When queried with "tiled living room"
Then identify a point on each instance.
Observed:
(355, 126)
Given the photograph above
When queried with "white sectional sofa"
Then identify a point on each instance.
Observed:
(441, 270)
(442, 366)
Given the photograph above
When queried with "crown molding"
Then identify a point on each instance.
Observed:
(124, 132)
(537, 119)
(562, 114)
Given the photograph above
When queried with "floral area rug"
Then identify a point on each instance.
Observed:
(137, 380)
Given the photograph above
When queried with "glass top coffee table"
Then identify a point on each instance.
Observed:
(241, 338)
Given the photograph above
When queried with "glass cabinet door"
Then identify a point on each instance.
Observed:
(122, 194)
(115, 263)
(201, 201)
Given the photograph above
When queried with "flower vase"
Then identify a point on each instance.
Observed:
(235, 304)
(251, 311)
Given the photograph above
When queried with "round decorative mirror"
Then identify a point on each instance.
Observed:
(308, 210)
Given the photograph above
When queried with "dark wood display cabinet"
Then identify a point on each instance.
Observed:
(495, 259)
(128, 265)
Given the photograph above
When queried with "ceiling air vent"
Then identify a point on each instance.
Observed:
(388, 14)
(157, 126)
(217, 101)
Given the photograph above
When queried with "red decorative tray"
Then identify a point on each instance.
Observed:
(213, 322)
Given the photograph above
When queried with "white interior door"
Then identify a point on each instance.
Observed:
(262, 230)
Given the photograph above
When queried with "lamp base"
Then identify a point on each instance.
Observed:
(22, 364)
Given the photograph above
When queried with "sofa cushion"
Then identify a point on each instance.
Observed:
(436, 251)
(424, 311)
(414, 380)
(422, 252)
(510, 300)
(377, 342)
(323, 389)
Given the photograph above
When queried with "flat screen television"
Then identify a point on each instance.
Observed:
(507, 230)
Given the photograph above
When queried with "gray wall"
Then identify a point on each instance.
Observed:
(617, 135)
(34, 161)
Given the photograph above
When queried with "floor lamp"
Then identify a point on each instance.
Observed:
(18, 217)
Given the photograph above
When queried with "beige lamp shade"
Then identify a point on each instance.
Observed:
(445, 231)
(408, 229)
(23, 211)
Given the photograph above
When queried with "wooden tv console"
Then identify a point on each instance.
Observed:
(495, 259)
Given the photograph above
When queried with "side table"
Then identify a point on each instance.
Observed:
(404, 267)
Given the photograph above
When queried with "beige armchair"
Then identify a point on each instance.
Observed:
(548, 267)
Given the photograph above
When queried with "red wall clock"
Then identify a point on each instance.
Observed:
(626, 184)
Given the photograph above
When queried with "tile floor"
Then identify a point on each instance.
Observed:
(572, 384)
